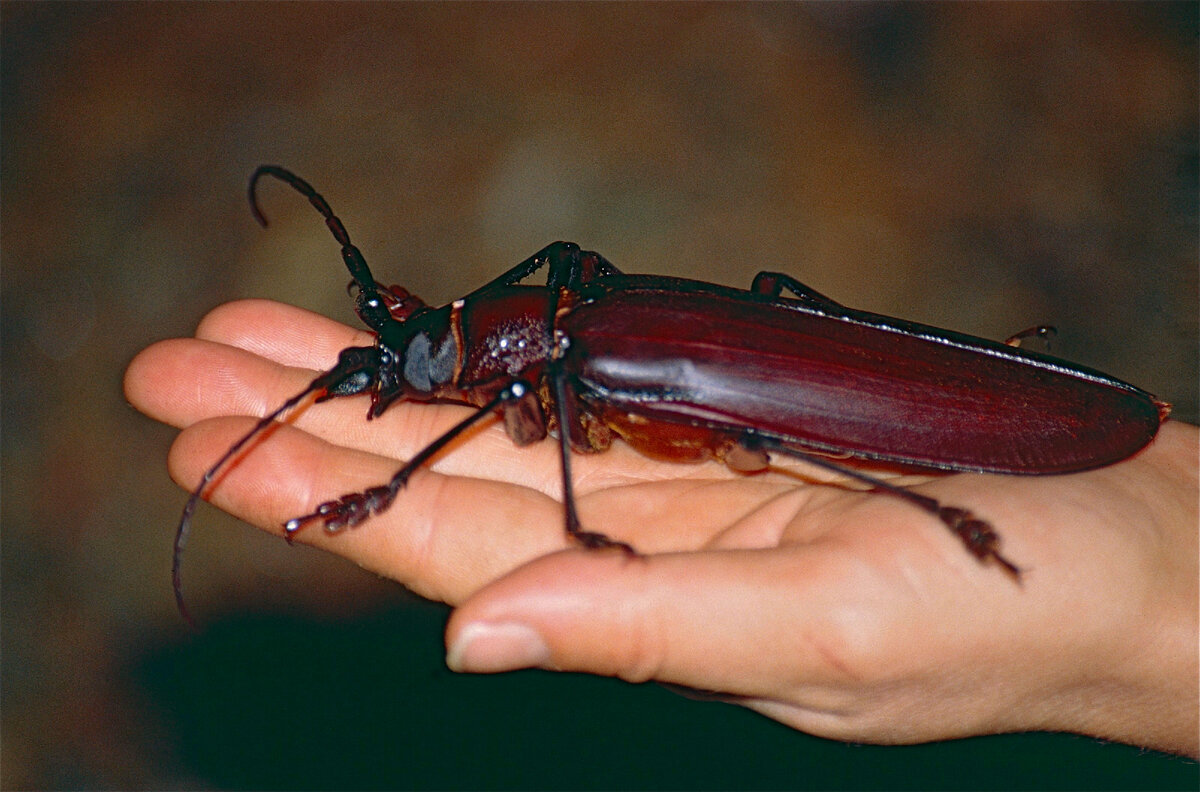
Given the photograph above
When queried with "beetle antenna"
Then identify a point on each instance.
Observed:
(185, 521)
(368, 304)
(354, 372)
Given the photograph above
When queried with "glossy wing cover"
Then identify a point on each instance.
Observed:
(660, 355)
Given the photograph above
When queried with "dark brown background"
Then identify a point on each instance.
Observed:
(982, 167)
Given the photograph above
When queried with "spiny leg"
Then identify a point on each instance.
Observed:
(573, 526)
(350, 510)
(980, 539)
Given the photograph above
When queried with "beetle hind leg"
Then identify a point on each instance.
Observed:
(977, 535)
(773, 284)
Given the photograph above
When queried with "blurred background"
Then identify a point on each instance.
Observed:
(981, 167)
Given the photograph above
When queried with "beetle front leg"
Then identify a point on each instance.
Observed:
(350, 510)
(567, 267)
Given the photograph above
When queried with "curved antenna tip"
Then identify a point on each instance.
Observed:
(259, 172)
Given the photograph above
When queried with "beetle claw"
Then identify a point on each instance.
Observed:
(978, 536)
(596, 541)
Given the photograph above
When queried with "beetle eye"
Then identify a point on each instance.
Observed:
(416, 363)
(441, 365)
(424, 368)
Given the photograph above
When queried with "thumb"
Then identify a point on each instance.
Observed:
(722, 620)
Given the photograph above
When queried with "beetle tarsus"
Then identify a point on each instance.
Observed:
(598, 541)
(348, 510)
(979, 537)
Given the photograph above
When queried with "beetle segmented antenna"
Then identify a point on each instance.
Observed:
(370, 307)
(185, 521)
(353, 373)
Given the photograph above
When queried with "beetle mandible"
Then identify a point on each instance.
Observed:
(690, 370)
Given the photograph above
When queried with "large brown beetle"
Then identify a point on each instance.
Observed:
(690, 370)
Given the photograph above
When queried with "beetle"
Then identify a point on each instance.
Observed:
(689, 370)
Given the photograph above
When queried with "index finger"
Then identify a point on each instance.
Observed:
(281, 333)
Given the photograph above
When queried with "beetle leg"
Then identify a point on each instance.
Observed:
(575, 530)
(593, 266)
(772, 284)
(1042, 333)
(746, 459)
(349, 510)
(980, 539)
(523, 419)
(567, 266)
(559, 257)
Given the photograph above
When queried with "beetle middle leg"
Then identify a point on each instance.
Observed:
(772, 284)
(980, 539)
(562, 400)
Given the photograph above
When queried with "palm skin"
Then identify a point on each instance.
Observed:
(846, 614)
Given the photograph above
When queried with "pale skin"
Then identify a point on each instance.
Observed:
(846, 614)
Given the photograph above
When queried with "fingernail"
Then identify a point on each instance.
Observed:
(487, 648)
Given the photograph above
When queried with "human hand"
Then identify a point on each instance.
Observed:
(846, 614)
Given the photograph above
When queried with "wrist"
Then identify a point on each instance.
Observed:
(1144, 688)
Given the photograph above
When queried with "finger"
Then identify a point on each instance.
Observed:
(443, 536)
(745, 622)
(809, 637)
(183, 381)
(821, 636)
(283, 333)
(180, 381)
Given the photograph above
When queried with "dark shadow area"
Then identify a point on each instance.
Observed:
(271, 702)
